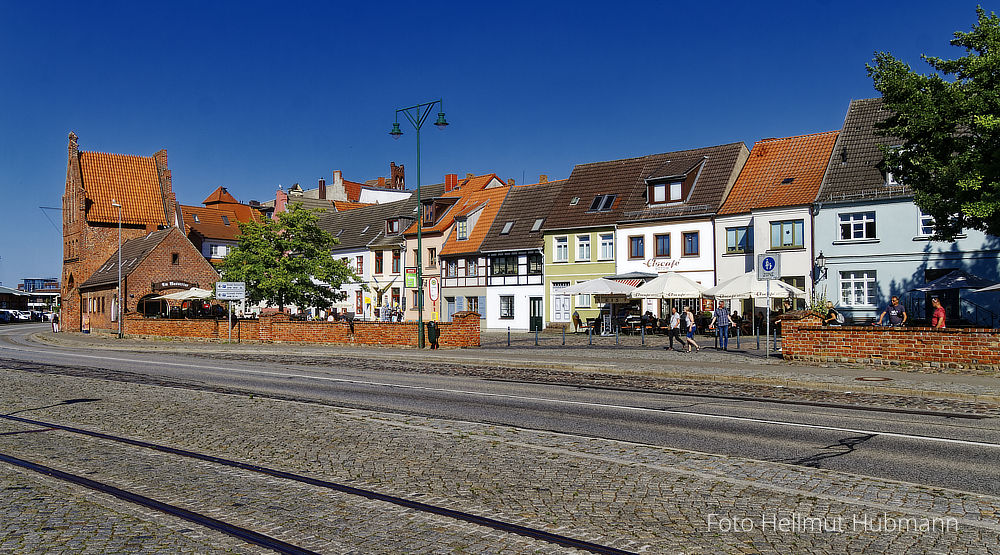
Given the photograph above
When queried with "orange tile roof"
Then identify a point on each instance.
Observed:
(131, 180)
(353, 190)
(781, 172)
(488, 203)
(342, 205)
(210, 223)
(220, 195)
(465, 188)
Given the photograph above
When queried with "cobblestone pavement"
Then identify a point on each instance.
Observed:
(635, 497)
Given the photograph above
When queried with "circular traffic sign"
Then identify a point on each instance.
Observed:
(768, 264)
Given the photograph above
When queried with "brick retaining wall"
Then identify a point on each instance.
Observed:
(462, 331)
(804, 338)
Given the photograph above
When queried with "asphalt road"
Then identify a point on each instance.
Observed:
(935, 450)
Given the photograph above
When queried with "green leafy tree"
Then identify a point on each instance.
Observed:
(282, 260)
(949, 124)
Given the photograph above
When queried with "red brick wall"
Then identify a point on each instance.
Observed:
(805, 339)
(462, 331)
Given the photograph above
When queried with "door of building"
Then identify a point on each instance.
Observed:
(560, 302)
(535, 313)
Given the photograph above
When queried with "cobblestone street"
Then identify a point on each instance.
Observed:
(629, 496)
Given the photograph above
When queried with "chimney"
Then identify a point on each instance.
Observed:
(322, 189)
(469, 176)
(450, 181)
(510, 182)
(381, 182)
(543, 178)
(280, 199)
(397, 176)
(337, 190)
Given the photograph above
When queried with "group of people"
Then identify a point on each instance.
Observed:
(894, 314)
(682, 327)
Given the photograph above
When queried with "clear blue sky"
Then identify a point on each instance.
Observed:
(250, 95)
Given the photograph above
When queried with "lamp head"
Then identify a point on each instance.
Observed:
(821, 261)
(396, 131)
(441, 123)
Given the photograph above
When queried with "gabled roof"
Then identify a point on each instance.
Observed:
(454, 198)
(220, 195)
(714, 169)
(134, 251)
(781, 172)
(211, 222)
(364, 226)
(487, 202)
(133, 181)
(852, 172)
(524, 205)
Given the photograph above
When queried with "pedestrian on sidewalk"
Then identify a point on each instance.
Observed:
(721, 315)
(937, 318)
(896, 313)
(674, 329)
(690, 325)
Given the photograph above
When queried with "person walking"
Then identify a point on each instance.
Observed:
(721, 315)
(896, 313)
(937, 318)
(674, 329)
(687, 320)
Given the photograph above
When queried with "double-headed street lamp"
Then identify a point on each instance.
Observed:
(118, 309)
(417, 115)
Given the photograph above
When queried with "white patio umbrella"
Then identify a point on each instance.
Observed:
(193, 293)
(598, 286)
(670, 285)
(990, 288)
(748, 286)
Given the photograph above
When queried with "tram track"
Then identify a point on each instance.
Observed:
(257, 538)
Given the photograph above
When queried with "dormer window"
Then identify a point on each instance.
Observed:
(660, 193)
(392, 226)
(463, 229)
(602, 203)
(429, 214)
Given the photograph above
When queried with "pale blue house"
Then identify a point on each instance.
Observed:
(874, 241)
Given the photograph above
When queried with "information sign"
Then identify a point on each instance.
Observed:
(410, 278)
(768, 266)
(230, 290)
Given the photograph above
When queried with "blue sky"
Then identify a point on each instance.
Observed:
(251, 95)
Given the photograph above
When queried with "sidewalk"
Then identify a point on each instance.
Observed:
(629, 358)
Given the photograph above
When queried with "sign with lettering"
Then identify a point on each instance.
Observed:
(410, 278)
(230, 290)
(662, 264)
(161, 285)
(432, 288)
(768, 266)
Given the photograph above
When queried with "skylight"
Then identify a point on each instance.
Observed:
(365, 230)
(602, 203)
(574, 201)
(506, 228)
(538, 224)
(787, 180)
(196, 220)
(225, 220)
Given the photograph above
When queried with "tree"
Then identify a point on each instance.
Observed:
(287, 261)
(949, 124)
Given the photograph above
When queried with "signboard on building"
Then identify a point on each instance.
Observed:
(161, 285)
(230, 290)
(410, 278)
(768, 266)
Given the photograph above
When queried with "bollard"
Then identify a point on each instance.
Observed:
(756, 331)
(508, 336)
(564, 334)
(642, 328)
(590, 335)
(737, 336)
(616, 336)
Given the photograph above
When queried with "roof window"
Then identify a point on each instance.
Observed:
(574, 201)
(602, 203)
(506, 228)
(196, 220)
(365, 230)
(787, 180)
(538, 224)
(225, 220)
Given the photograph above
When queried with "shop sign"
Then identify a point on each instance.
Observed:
(662, 264)
(410, 278)
(161, 285)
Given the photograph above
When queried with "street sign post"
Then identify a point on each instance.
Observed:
(230, 291)
(768, 268)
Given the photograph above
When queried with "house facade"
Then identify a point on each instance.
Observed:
(515, 260)
(877, 243)
(769, 210)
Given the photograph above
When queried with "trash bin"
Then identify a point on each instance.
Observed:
(433, 334)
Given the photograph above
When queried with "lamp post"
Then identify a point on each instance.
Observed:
(118, 309)
(417, 115)
(820, 267)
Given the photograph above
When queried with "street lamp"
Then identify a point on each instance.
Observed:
(820, 267)
(118, 309)
(417, 115)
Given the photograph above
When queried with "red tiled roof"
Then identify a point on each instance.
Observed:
(131, 180)
(781, 172)
(466, 188)
(220, 195)
(488, 202)
(342, 205)
(210, 223)
(353, 190)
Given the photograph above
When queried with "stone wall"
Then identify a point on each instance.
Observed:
(462, 331)
(805, 339)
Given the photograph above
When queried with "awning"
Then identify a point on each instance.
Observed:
(187, 294)
(957, 279)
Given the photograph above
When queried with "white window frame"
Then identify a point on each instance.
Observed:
(658, 193)
(676, 189)
(560, 249)
(607, 246)
(856, 223)
(463, 230)
(867, 279)
(583, 248)
(922, 228)
(582, 301)
(506, 307)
